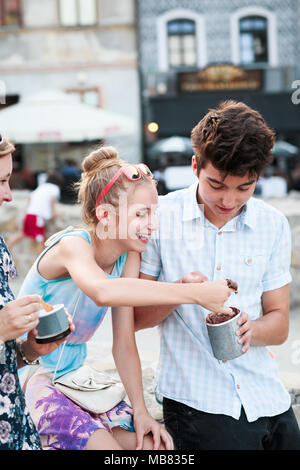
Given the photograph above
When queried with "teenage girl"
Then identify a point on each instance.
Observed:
(99, 268)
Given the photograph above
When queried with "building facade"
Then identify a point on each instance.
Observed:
(194, 54)
(83, 47)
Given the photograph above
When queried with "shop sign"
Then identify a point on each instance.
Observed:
(220, 77)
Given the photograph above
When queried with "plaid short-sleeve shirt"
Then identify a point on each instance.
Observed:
(252, 249)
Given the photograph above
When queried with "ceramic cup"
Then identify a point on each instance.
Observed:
(52, 325)
(223, 340)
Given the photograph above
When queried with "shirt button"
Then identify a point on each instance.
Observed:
(219, 268)
(224, 361)
(219, 233)
(238, 387)
(249, 261)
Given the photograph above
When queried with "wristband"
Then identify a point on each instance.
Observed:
(24, 358)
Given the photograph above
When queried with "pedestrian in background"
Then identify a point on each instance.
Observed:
(41, 209)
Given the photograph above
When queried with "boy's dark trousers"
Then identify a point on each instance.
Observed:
(195, 430)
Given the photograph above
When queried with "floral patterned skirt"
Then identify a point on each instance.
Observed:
(61, 423)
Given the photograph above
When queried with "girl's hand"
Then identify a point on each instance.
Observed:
(35, 349)
(144, 424)
(245, 331)
(213, 294)
(19, 316)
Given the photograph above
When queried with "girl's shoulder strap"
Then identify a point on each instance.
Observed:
(70, 230)
(67, 231)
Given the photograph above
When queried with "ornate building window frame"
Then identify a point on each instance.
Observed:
(271, 33)
(162, 36)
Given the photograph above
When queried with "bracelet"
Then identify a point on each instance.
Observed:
(24, 358)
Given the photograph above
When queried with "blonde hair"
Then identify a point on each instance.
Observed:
(6, 147)
(98, 169)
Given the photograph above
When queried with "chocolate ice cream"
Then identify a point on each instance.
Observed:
(215, 318)
(232, 285)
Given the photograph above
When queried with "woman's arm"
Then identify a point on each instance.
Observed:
(124, 346)
(77, 257)
(148, 317)
(127, 361)
(126, 357)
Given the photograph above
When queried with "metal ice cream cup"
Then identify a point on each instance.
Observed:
(223, 340)
(52, 325)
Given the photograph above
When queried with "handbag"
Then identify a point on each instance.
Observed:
(92, 390)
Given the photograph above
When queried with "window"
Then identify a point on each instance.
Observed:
(78, 12)
(181, 39)
(182, 50)
(10, 13)
(253, 39)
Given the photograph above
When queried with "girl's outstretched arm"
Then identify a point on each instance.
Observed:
(75, 256)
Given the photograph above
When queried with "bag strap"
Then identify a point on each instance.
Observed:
(65, 342)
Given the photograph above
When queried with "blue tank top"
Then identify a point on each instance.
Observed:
(88, 315)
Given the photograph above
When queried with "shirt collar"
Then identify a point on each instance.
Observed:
(248, 214)
(193, 210)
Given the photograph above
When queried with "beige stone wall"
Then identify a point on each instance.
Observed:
(290, 206)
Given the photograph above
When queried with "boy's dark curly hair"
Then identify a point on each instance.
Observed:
(235, 139)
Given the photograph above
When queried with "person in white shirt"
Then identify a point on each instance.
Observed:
(41, 208)
(210, 404)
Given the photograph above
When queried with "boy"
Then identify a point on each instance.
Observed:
(212, 404)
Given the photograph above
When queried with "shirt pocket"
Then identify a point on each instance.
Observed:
(249, 268)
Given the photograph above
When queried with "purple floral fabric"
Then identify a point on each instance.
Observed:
(62, 424)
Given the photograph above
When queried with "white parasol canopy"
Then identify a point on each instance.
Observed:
(55, 116)
(174, 144)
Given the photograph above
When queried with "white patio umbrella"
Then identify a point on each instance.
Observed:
(54, 116)
(284, 149)
(170, 145)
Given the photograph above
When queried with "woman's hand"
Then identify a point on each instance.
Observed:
(144, 424)
(33, 349)
(245, 331)
(213, 294)
(19, 316)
